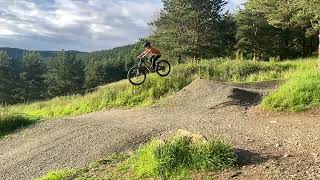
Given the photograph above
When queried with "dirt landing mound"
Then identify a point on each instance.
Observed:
(212, 95)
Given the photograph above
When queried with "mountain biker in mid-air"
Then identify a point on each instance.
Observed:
(137, 75)
(154, 54)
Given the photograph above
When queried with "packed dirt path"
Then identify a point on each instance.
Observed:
(269, 146)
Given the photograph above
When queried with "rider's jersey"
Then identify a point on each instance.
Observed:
(153, 51)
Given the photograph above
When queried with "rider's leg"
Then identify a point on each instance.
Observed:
(151, 60)
(154, 60)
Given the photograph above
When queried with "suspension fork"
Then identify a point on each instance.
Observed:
(140, 64)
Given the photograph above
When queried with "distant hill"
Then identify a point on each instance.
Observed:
(118, 53)
(17, 53)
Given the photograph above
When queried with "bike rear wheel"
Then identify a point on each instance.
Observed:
(137, 76)
(163, 68)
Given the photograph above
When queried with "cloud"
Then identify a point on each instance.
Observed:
(235, 4)
(84, 25)
(74, 24)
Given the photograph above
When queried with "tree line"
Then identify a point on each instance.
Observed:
(34, 78)
(263, 29)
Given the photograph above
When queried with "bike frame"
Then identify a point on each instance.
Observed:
(143, 68)
(142, 63)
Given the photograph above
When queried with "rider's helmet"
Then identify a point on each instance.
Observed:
(147, 44)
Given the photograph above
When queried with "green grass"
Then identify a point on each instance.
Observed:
(10, 122)
(59, 175)
(246, 71)
(122, 94)
(175, 158)
(300, 93)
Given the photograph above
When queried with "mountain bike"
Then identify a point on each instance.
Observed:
(137, 75)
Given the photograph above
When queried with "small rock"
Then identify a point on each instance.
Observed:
(273, 162)
(273, 122)
(278, 145)
(195, 138)
(249, 139)
(315, 154)
(236, 174)
(286, 155)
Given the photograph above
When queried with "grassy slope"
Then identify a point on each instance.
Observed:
(122, 94)
(300, 93)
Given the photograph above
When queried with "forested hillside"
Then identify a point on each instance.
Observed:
(185, 29)
(17, 53)
(35, 77)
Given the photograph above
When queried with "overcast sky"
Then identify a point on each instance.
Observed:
(84, 25)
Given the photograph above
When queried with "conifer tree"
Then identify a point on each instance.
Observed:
(65, 75)
(9, 79)
(32, 76)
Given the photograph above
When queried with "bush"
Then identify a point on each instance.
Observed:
(300, 93)
(178, 156)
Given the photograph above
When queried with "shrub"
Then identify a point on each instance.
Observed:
(178, 156)
(213, 156)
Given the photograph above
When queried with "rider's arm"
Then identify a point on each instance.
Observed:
(142, 54)
(146, 52)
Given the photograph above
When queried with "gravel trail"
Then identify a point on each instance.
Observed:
(269, 146)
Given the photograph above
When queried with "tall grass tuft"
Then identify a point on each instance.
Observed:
(178, 156)
(59, 175)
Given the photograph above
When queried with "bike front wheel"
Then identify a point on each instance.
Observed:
(163, 68)
(137, 76)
